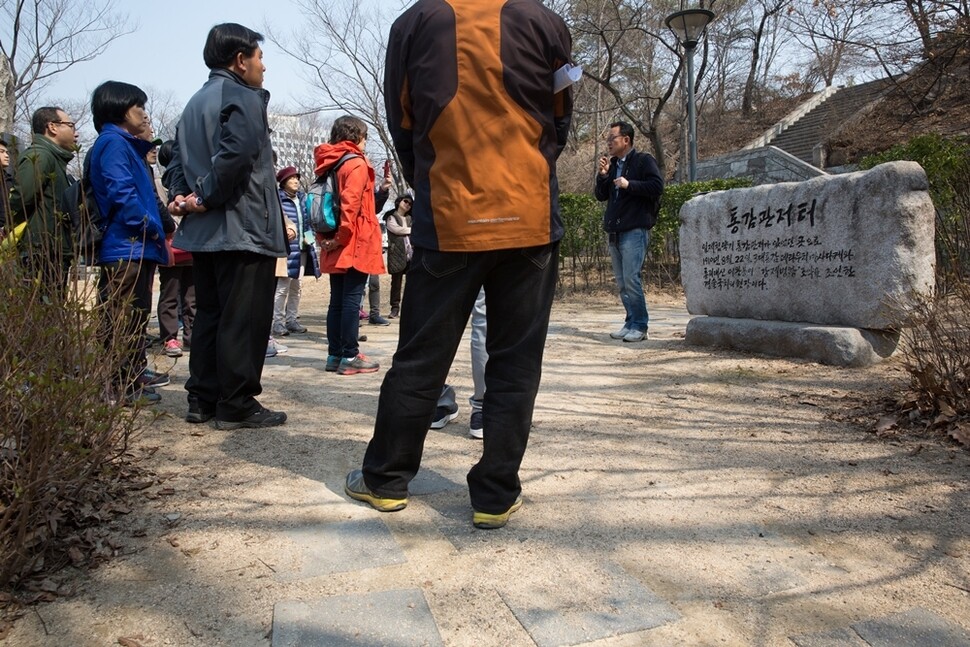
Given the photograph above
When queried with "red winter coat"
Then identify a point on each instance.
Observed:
(359, 234)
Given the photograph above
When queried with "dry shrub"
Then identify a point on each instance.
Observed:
(63, 429)
(936, 354)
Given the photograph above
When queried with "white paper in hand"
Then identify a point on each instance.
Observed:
(565, 76)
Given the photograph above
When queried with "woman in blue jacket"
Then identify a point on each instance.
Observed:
(134, 239)
(302, 256)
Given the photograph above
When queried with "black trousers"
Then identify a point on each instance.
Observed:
(234, 312)
(440, 292)
(177, 284)
(397, 284)
(125, 293)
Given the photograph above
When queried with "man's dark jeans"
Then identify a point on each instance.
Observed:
(234, 312)
(439, 295)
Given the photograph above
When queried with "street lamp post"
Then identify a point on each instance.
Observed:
(688, 25)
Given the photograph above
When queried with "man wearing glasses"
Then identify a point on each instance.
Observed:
(46, 247)
(630, 184)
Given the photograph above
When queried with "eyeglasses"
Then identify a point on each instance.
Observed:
(69, 124)
(612, 137)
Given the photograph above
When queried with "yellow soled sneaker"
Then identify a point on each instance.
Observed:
(487, 521)
(357, 489)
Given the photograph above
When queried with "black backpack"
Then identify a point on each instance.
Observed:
(87, 224)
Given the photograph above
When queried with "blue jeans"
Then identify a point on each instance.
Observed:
(343, 315)
(439, 295)
(627, 255)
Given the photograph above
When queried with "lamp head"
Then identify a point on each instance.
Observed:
(688, 25)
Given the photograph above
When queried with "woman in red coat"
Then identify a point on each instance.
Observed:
(354, 251)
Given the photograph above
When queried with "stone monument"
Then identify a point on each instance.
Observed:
(809, 269)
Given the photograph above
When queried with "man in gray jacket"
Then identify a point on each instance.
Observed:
(225, 187)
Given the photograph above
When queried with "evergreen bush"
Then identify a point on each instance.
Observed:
(585, 259)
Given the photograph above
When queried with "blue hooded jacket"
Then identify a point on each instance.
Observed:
(126, 197)
(293, 210)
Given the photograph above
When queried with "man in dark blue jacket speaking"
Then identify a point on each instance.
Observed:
(225, 187)
(631, 185)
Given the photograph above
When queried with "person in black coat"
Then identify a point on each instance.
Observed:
(630, 184)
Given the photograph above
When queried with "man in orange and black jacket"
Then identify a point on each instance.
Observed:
(478, 127)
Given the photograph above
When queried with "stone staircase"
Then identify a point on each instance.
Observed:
(801, 136)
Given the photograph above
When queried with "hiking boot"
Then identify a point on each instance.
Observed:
(151, 378)
(476, 426)
(172, 348)
(487, 521)
(359, 364)
(261, 419)
(333, 362)
(295, 327)
(357, 489)
(621, 333)
(377, 320)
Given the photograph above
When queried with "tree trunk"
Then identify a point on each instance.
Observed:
(8, 99)
(747, 100)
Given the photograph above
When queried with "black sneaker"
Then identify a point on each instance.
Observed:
(197, 415)
(443, 415)
(377, 320)
(262, 418)
(476, 426)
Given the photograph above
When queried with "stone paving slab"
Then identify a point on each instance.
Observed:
(913, 628)
(834, 638)
(341, 547)
(383, 619)
(571, 605)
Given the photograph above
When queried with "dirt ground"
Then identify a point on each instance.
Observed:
(730, 486)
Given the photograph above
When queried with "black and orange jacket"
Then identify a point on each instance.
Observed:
(468, 87)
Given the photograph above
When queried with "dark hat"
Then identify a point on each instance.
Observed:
(157, 142)
(286, 173)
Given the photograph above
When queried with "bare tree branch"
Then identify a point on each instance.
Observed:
(42, 38)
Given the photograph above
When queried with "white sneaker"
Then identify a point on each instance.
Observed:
(621, 333)
(636, 335)
(274, 348)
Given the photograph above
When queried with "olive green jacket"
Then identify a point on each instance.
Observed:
(41, 181)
